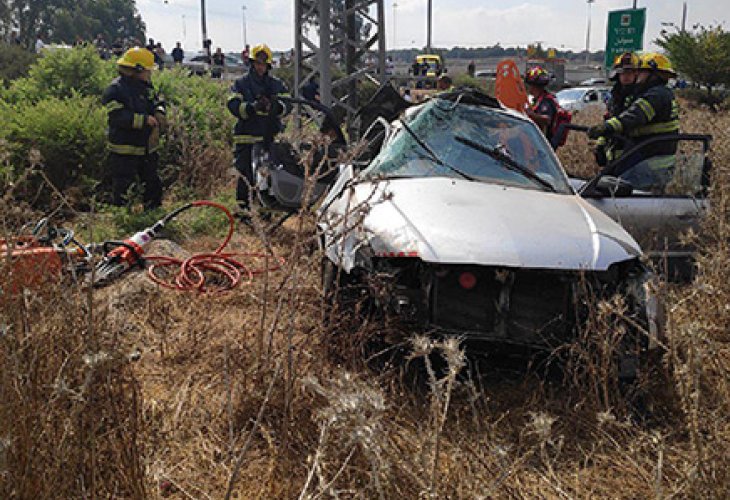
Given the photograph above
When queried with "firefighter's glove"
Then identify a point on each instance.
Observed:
(599, 131)
(600, 154)
(262, 105)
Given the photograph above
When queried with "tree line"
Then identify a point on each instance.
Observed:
(490, 52)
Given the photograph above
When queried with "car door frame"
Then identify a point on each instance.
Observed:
(656, 221)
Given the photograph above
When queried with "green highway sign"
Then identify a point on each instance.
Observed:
(625, 33)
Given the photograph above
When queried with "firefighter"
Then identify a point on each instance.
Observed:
(654, 111)
(623, 74)
(259, 115)
(135, 119)
(545, 106)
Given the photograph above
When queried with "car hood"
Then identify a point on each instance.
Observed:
(446, 220)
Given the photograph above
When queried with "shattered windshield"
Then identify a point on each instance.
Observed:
(440, 124)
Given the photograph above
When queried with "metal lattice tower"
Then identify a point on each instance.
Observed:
(343, 34)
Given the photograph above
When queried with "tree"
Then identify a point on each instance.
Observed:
(69, 20)
(700, 55)
(114, 19)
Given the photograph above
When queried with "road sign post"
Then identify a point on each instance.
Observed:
(625, 33)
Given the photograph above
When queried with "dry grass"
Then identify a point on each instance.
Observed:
(135, 392)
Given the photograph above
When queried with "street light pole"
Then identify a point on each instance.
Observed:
(395, 6)
(428, 29)
(243, 25)
(204, 28)
(588, 33)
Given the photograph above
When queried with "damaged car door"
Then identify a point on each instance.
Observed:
(658, 201)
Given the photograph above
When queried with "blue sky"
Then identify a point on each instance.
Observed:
(557, 23)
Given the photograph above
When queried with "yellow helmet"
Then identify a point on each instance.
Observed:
(655, 61)
(262, 48)
(627, 60)
(137, 58)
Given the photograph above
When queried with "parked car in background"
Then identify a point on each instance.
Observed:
(592, 82)
(199, 63)
(486, 73)
(580, 98)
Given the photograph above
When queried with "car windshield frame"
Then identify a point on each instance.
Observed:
(439, 123)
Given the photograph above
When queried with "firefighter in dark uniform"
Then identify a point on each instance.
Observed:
(545, 105)
(623, 74)
(135, 120)
(653, 112)
(259, 116)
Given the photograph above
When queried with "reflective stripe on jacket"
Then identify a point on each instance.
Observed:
(129, 102)
(655, 111)
(253, 126)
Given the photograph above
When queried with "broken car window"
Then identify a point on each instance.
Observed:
(440, 122)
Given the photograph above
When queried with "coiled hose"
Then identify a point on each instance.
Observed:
(213, 272)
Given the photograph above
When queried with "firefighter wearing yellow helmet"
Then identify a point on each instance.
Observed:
(653, 112)
(623, 76)
(135, 118)
(254, 103)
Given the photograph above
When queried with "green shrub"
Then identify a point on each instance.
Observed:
(61, 72)
(197, 148)
(69, 134)
(464, 80)
(14, 62)
(200, 100)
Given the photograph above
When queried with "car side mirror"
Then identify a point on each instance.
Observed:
(609, 185)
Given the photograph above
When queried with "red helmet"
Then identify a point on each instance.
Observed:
(537, 75)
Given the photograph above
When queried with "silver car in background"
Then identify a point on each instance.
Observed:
(580, 98)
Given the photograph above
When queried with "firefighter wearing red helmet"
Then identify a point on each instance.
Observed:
(545, 106)
(135, 118)
(259, 112)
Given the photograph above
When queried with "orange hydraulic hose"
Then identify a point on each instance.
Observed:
(214, 272)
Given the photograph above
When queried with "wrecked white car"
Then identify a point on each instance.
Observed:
(465, 223)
